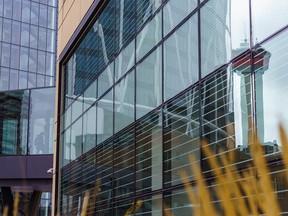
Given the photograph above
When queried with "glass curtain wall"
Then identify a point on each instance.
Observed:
(27, 122)
(152, 96)
(27, 44)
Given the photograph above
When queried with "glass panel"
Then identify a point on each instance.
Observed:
(221, 32)
(50, 40)
(90, 95)
(42, 39)
(104, 169)
(124, 102)
(149, 153)
(151, 205)
(67, 117)
(7, 30)
(25, 33)
(149, 83)
(145, 9)
(34, 13)
(75, 187)
(181, 136)
(65, 190)
(122, 207)
(181, 58)
(105, 80)
(77, 107)
(76, 139)
(17, 10)
(149, 36)
(43, 15)
(66, 147)
(270, 64)
(14, 62)
(50, 64)
(5, 58)
(40, 80)
(41, 62)
(45, 203)
(105, 117)
(24, 58)
(41, 125)
(239, 25)
(125, 60)
(4, 79)
(89, 175)
(26, 11)
(51, 17)
(178, 203)
(32, 60)
(89, 129)
(14, 117)
(175, 11)
(34, 36)
(104, 210)
(263, 23)
(1, 8)
(1, 24)
(7, 8)
(49, 81)
(14, 77)
(15, 53)
(106, 33)
(32, 82)
(124, 165)
(70, 84)
(23, 80)
(16, 32)
(126, 17)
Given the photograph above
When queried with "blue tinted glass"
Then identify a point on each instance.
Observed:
(14, 114)
(26, 11)
(41, 121)
(124, 102)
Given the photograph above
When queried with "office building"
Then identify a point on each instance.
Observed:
(27, 92)
(140, 83)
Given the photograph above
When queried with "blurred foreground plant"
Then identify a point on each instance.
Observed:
(246, 192)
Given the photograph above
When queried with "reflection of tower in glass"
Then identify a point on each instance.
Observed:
(261, 64)
(216, 90)
(243, 67)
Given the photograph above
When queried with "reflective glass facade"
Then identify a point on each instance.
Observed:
(27, 122)
(149, 80)
(27, 52)
(28, 44)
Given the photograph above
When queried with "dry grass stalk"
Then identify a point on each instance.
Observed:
(192, 196)
(271, 206)
(15, 206)
(222, 190)
(167, 210)
(5, 212)
(85, 204)
(284, 142)
(91, 208)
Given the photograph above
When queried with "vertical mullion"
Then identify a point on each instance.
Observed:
(113, 110)
(201, 114)
(162, 109)
(28, 124)
(252, 120)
